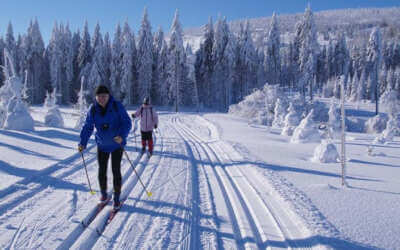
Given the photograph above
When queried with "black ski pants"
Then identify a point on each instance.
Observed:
(102, 159)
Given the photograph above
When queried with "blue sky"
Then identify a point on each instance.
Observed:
(192, 13)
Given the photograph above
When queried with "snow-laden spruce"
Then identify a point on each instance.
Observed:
(334, 123)
(326, 152)
(14, 113)
(307, 131)
(82, 107)
(53, 116)
(376, 124)
(292, 120)
(259, 106)
(280, 112)
(389, 133)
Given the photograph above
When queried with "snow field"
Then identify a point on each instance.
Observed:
(247, 210)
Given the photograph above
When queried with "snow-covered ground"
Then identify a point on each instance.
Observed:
(217, 183)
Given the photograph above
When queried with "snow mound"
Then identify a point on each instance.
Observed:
(18, 116)
(325, 152)
(388, 134)
(307, 131)
(376, 124)
(53, 118)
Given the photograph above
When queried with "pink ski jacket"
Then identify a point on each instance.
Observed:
(148, 117)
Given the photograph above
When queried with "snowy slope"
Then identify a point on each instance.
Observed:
(217, 183)
(357, 23)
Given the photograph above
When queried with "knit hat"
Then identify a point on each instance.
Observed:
(102, 89)
(146, 101)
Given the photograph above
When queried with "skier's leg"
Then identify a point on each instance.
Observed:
(151, 142)
(102, 159)
(143, 141)
(116, 157)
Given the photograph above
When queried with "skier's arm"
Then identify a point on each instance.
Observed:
(87, 128)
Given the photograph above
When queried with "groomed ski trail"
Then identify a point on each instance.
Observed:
(257, 219)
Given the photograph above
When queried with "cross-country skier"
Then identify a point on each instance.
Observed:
(148, 121)
(112, 124)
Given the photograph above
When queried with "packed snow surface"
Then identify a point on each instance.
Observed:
(217, 182)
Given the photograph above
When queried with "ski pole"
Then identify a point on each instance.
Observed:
(87, 176)
(144, 187)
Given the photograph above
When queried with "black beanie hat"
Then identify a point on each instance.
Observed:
(146, 101)
(102, 89)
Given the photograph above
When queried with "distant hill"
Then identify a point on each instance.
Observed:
(355, 23)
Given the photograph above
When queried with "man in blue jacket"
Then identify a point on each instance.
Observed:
(112, 124)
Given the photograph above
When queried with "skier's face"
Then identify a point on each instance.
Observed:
(102, 99)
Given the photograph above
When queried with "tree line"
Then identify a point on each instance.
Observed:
(222, 71)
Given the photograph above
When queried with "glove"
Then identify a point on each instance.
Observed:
(80, 148)
(118, 139)
(155, 126)
(133, 116)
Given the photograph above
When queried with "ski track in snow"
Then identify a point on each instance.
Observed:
(206, 195)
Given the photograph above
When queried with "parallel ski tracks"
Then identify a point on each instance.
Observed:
(254, 222)
(99, 229)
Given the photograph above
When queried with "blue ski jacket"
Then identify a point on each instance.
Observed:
(109, 122)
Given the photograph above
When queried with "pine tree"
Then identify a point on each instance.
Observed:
(163, 72)
(156, 82)
(127, 85)
(145, 57)
(308, 51)
(85, 53)
(176, 63)
(116, 64)
(223, 57)
(97, 69)
(10, 44)
(272, 59)
(373, 62)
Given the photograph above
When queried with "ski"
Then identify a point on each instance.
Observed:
(113, 212)
(94, 213)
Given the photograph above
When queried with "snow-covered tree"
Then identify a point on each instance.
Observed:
(392, 128)
(390, 102)
(374, 59)
(162, 68)
(85, 53)
(157, 69)
(82, 106)
(292, 120)
(176, 63)
(204, 65)
(376, 124)
(223, 56)
(53, 116)
(145, 57)
(116, 64)
(280, 112)
(128, 51)
(33, 63)
(334, 122)
(307, 49)
(307, 131)
(14, 114)
(272, 59)
(11, 45)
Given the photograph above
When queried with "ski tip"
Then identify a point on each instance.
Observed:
(149, 194)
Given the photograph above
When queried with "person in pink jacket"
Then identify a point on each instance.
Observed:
(148, 121)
